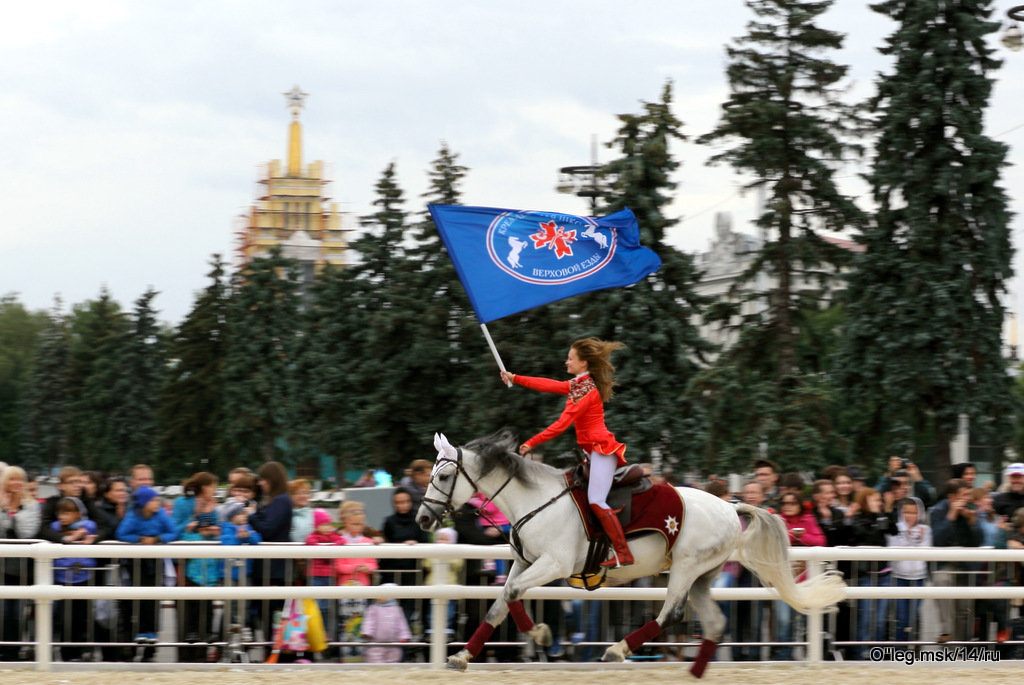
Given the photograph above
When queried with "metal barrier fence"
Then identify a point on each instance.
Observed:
(99, 612)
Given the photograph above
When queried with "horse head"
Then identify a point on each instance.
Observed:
(446, 490)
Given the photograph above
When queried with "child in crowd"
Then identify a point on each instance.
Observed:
(993, 526)
(444, 536)
(242, 491)
(355, 571)
(911, 531)
(147, 523)
(385, 622)
(195, 617)
(71, 618)
(321, 571)
(492, 517)
(235, 530)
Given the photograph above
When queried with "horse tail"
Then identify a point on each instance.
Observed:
(763, 548)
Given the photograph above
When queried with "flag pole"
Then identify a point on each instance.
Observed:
(494, 350)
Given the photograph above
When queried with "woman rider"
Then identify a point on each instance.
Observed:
(589, 363)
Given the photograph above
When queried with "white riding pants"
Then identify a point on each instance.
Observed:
(602, 468)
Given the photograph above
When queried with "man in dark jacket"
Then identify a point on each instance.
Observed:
(954, 524)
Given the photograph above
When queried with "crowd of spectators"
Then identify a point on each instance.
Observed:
(900, 509)
(839, 508)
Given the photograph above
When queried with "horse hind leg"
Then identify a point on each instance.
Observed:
(711, 618)
(679, 582)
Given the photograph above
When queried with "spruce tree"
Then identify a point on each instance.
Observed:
(362, 319)
(191, 409)
(445, 333)
(45, 408)
(98, 335)
(263, 318)
(654, 318)
(923, 342)
(785, 126)
(19, 333)
(140, 375)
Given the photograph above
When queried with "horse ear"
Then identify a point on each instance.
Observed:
(443, 446)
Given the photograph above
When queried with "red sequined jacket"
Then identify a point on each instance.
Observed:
(583, 408)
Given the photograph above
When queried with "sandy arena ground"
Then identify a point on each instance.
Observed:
(621, 674)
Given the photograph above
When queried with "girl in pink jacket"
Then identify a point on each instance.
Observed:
(357, 571)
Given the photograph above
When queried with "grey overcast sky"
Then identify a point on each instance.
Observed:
(133, 132)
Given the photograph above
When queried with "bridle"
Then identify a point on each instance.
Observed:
(447, 508)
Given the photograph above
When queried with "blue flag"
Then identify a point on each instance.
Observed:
(511, 260)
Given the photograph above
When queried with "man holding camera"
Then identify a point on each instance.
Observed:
(900, 468)
(954, 524)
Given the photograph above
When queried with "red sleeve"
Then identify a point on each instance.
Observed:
(569, 414)
(542, 384)
(812, 537)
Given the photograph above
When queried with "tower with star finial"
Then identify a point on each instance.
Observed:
(292, 209)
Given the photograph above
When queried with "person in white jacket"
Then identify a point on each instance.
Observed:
(912, 531)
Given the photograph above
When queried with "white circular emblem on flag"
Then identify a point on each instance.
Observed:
(548, 248)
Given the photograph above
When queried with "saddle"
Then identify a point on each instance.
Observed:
(626, 481)
(645, 508)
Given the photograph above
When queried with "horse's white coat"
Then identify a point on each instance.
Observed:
(554, 544)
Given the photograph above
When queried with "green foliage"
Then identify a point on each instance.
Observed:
(445, 335)
(923, 343)
(263, 319)
(355, 361)
(191, 407)
(140, 375)
(98, 335)
(654, 318)
(19, 331)
(43, 405)
(786, 126)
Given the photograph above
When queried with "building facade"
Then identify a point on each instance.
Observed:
(293, 211)
(729, 256)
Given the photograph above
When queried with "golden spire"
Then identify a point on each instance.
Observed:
(296, 100)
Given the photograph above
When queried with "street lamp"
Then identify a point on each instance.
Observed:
(582, 181)
(1012, 37)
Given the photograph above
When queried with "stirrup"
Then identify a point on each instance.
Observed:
(614, 562)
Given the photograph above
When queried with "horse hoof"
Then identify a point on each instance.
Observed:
(613, 654)
(541, 634)
(456, 663)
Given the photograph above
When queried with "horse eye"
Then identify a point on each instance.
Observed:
(443, 476)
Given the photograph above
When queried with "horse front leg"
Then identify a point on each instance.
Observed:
(541, 572)
(521, 577)
(497, 612)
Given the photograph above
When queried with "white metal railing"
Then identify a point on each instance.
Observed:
(44, 591)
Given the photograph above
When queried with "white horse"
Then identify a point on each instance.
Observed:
(517, 246)
(550, 544)
(601, 238)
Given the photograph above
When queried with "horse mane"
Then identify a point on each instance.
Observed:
(498, 451)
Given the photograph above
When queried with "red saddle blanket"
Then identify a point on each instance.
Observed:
(659, 509)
